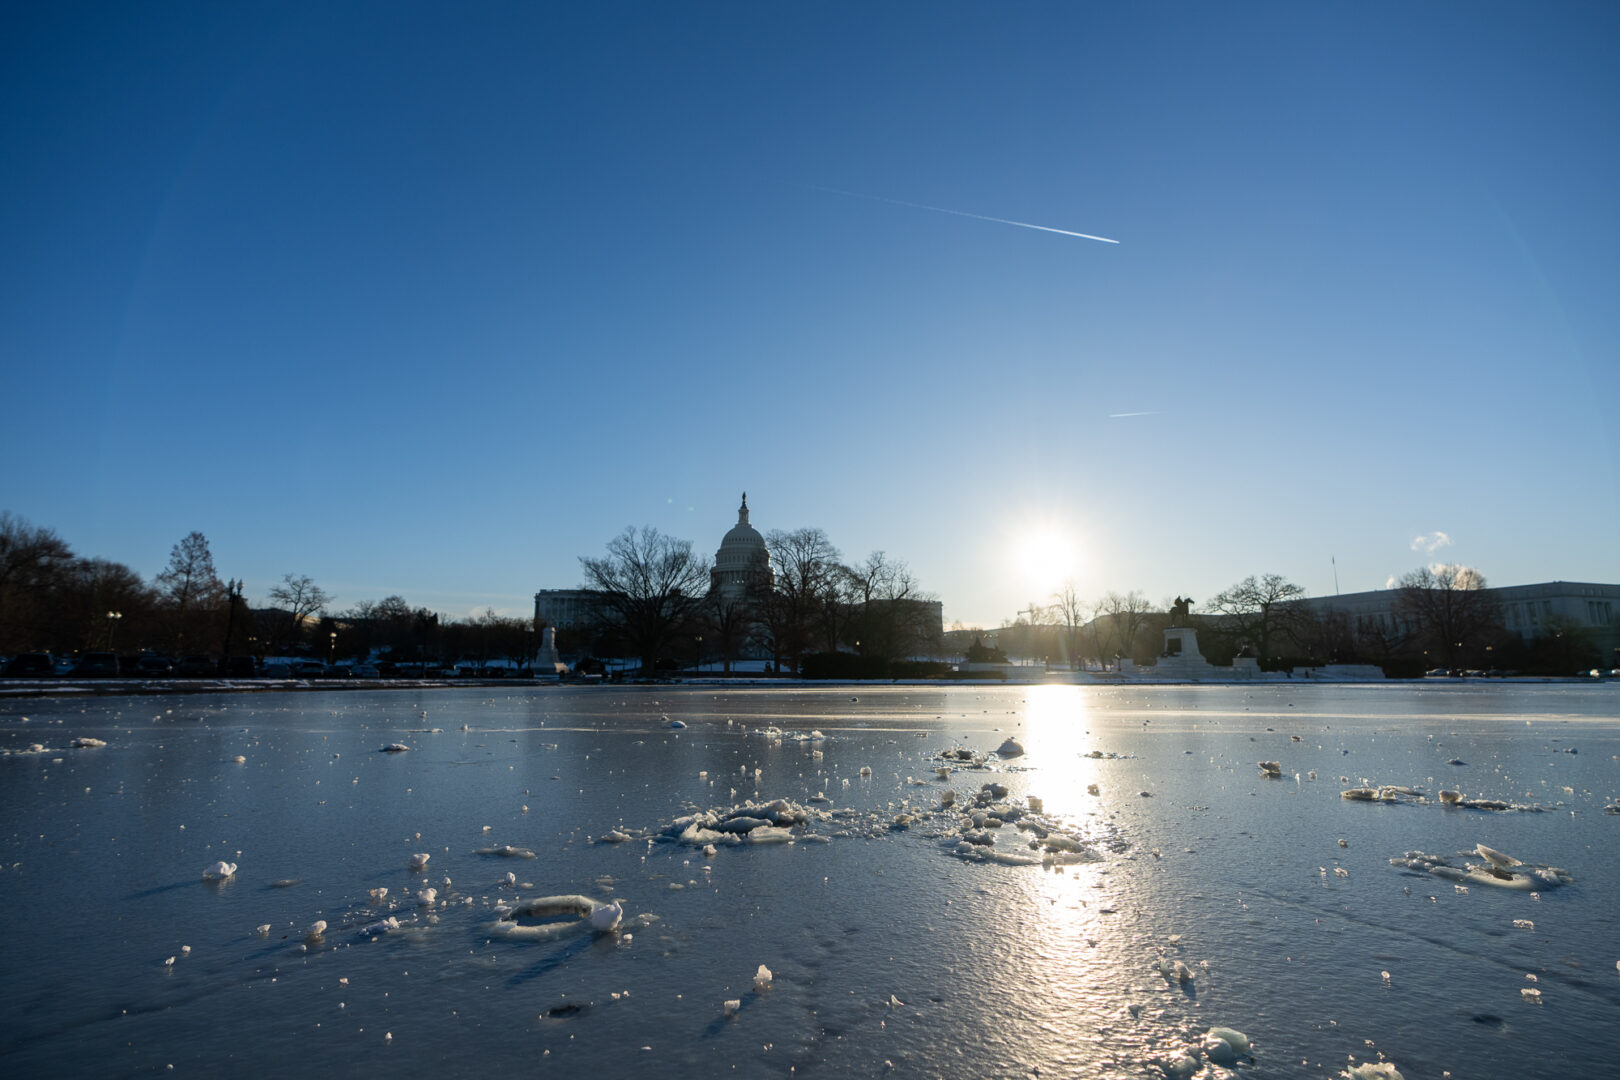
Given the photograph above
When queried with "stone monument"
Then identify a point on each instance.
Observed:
(546, 661)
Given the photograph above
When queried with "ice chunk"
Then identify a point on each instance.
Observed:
(732, 1005)
(395, 748)
(84, 742)
(1272, 769)
(605, 917)
(1224, 1046)
(1496, 858)
(762, 978)
(219, 871)
(674, 725)
(427, 897)
(1036, 804)
(1010, 748)
(1184, 1066)
(419, 862)
(1372, 1070)
(1531, 994)
(316, 929)
(379, 894)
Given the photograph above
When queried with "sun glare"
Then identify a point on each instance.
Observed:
(1045, 558)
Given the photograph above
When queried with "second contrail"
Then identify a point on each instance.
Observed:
(963, 213)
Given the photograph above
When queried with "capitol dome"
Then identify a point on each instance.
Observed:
(741, 553)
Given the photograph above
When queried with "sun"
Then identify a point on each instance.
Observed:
(1045, 557)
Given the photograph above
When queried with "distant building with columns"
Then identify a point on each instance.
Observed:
(742, 560)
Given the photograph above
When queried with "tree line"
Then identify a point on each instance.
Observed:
(52, 600)
(657, 600)
(1441, 617)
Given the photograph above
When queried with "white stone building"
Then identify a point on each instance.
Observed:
(742, 556)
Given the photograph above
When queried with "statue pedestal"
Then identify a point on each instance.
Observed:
(1180, 658)
(546, 661)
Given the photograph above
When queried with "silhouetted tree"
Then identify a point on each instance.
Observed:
(650, 585)
(1127, 615)
(191, 591)
(31, 559)
(1256, 611)
(886, 610)
(1449, 605)
(806, 572)
(301, 598)
(1069, 611)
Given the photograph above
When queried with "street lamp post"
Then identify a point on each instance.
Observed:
(331, 648)
(112, 625)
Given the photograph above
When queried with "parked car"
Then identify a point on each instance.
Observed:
(98, 665)
(310, 669)
(365, 671)
(31, 665)
(195, 667)
(155, 667)
(240, 667)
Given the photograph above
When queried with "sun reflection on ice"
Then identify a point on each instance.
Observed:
(1056, 739)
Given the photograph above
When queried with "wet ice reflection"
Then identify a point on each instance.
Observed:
(1226, 900)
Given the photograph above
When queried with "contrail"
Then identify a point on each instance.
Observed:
(962, 213)
(1123, 415)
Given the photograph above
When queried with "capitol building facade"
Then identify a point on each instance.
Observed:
(742, 571)
(742, 560)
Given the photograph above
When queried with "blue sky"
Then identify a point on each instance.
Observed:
(433, 300)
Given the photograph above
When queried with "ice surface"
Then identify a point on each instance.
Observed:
(1032, 965)
(219, 871)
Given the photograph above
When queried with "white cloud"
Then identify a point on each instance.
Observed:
(1430, 542)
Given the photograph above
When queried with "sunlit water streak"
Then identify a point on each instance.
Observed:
(890, 954)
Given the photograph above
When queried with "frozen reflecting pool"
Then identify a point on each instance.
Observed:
(601, 884)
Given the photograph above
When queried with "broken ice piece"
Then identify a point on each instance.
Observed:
(762, 978)
(1224, 1046)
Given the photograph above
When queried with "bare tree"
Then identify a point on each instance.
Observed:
(191, 589)
(1069, 611)
(1257, 610)
(31, 559)
(888, 615)
(1128, 616)
(806, 573)
(1449, 605)
(728, 620)
(302, 598)
(651, 585)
